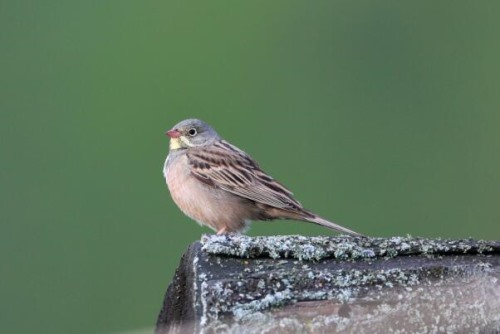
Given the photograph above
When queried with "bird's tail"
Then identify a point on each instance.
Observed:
(326, 223)
(306, 216)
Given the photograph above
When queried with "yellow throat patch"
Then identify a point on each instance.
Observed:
(175, 143)
(180, 142)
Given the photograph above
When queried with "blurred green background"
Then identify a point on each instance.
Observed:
(384, 116)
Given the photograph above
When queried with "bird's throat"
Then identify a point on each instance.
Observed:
(175, 143)
(180, 142)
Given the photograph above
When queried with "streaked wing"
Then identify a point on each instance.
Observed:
(225, 166)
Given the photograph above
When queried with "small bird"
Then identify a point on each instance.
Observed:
(220, 186)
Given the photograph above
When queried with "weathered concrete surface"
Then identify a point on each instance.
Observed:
(294, 284)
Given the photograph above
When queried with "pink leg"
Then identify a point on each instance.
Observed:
(222, 231)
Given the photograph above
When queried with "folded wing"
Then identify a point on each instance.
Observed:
(225, 166)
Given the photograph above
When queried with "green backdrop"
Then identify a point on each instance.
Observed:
(382, 115)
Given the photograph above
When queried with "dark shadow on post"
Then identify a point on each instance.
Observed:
(295, 284)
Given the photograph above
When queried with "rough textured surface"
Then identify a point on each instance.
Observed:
(327, 284)
(178, 312)
(342, 248)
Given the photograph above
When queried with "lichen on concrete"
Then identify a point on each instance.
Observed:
(341, 248)
(261, 291)
(448, 307)
(296, 284)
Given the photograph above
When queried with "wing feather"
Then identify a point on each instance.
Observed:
(225, 166)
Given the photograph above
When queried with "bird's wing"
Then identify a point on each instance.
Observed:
(225, 166)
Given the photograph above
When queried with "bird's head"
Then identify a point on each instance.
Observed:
(191, 133)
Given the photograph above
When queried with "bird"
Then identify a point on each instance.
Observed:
(220, 186)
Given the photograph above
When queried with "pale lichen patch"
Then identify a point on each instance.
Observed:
(356, 281)
(341, 248)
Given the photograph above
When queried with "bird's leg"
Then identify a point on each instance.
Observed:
(222, 231)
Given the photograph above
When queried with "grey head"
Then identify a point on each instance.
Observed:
(191, 133)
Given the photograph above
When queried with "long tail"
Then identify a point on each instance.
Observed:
(326, 223)
(270, 213)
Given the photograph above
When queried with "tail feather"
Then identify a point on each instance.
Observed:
(270, 213)
(323, 222)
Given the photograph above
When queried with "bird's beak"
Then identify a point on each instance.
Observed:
(173, 133)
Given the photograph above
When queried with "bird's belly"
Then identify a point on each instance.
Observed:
(207, 205)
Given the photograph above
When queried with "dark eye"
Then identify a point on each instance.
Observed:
(192, 132)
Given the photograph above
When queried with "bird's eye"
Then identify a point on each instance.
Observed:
(192, 132)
